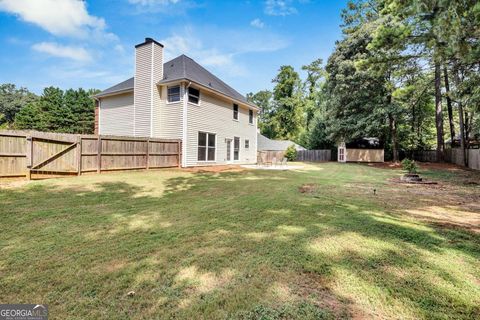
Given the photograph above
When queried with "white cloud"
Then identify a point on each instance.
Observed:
(257, 23)
(153, 2)
(222, 47)
(170, 7)
(57, 50)
(279, 7)
(60, 18)
(192, 46)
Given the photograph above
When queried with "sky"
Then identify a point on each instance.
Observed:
(90, 44)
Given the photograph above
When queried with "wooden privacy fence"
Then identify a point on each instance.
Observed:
(27, 153)
(425, 155)
(269, 156)
(452, 156)
(314, 155)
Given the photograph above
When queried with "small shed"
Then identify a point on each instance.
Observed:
(361, 150)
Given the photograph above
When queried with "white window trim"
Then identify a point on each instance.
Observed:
(253, 117)
(238, 112)
(180, 94)
(206, 151)
(239, 148)
(199, 97)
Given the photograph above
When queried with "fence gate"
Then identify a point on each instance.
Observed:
(52, 155)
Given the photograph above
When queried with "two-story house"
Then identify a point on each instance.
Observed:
(180, 99)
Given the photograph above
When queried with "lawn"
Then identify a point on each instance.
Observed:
(315, 243)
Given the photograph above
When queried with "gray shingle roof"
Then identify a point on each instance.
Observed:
(184, 68)
(122, 86)
(266, 144)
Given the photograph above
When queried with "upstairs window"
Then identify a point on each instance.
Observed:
(235, 112)
(193, 95)
(206, 146)
(173, 94)
(250, 116)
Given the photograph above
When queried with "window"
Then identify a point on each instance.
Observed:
(247, 143)
(206, 146)
(235, 111)
(250, 116)
(236, 148)
(173, 94)
(193, 95)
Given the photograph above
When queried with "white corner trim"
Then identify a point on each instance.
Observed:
(184, 126)
(151, 89)
(99, 108)
(134, 86)
(256, 134)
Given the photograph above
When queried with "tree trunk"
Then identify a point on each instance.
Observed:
(449, 106)
(393, 132)
(439, 114)
(467, 129)
(461, 121)
(462, 133)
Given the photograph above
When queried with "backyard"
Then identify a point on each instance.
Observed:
(326, 241)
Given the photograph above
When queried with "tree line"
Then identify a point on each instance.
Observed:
(55, 110)
(407, 72)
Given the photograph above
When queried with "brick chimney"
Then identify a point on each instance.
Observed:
(148, 72)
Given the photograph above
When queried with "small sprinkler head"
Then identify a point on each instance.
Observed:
(374, 191)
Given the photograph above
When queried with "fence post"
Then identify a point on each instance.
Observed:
(29, 154)
(148, 154)
(179, 153)
(79, 155)
(99, 154)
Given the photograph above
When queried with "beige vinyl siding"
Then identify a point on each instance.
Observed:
(215, 115)
(116, 115)
(157, 106)
(167, 117)
(143, 79)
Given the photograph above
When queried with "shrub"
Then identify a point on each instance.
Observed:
(409, 165)
(291, 153)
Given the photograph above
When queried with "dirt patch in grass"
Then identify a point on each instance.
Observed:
(308, 188)
(423, 165)
(226, 168)
(385, 165)
(313, 287)
(423, 182)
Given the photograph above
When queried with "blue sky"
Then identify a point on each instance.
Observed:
(90, 44)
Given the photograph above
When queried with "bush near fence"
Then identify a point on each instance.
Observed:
(27, 153)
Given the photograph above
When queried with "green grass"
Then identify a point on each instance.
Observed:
(244, 245)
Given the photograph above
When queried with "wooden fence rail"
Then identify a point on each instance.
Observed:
(451, 155)
(314, 155)
(27, 153)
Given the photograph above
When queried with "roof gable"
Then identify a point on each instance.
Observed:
(183, 68)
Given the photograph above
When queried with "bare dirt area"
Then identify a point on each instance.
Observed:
(453, 204)
(425, 165)
(214, 169)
